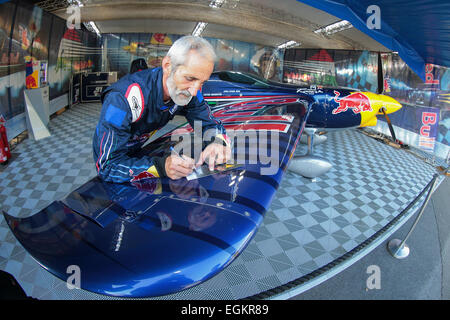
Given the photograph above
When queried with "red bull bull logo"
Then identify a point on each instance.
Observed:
(141, 176)
(357, 101)
(147, 185)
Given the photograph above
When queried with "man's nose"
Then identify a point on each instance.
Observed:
(194, 89)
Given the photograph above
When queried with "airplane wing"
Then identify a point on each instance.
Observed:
(158, 236)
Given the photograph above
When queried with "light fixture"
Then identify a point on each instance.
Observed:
(94, 26)
(77, 2)
(216, 3)
(200, 26)
(335, 27)
(289, 44)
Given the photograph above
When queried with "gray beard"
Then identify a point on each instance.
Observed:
(180, 97)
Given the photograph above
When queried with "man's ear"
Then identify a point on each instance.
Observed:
(166, 65)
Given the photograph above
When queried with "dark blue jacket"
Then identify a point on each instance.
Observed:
(133, 109)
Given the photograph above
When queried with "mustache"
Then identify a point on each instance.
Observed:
(184, 92)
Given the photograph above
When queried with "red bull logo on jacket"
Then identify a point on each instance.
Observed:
(357, 101)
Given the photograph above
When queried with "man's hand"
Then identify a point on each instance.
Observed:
(178, 167)
(216, 154)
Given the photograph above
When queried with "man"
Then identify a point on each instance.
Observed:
(141, 103)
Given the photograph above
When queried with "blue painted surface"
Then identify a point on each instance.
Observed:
(157, 236)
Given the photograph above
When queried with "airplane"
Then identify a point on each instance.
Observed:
(333, 109)
(157, 236)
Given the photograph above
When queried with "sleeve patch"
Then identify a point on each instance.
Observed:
(115, 115)
(135, 100)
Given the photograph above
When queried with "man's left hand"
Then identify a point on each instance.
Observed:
(216, 154)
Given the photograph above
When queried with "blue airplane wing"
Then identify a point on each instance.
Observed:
(158, 236)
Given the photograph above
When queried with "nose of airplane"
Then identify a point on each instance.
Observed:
(390, 104)
(377, 102)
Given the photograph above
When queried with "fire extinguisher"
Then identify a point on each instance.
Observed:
(5, 153)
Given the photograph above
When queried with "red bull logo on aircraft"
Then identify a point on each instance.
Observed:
(357, 101)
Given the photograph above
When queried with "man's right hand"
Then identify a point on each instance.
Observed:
(178, 167)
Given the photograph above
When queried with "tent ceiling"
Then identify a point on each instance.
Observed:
(264, 22)
(417, 29)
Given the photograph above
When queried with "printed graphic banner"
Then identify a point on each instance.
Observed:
(122, 49)
(344, 68)
(27, 34)
(426, 105)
